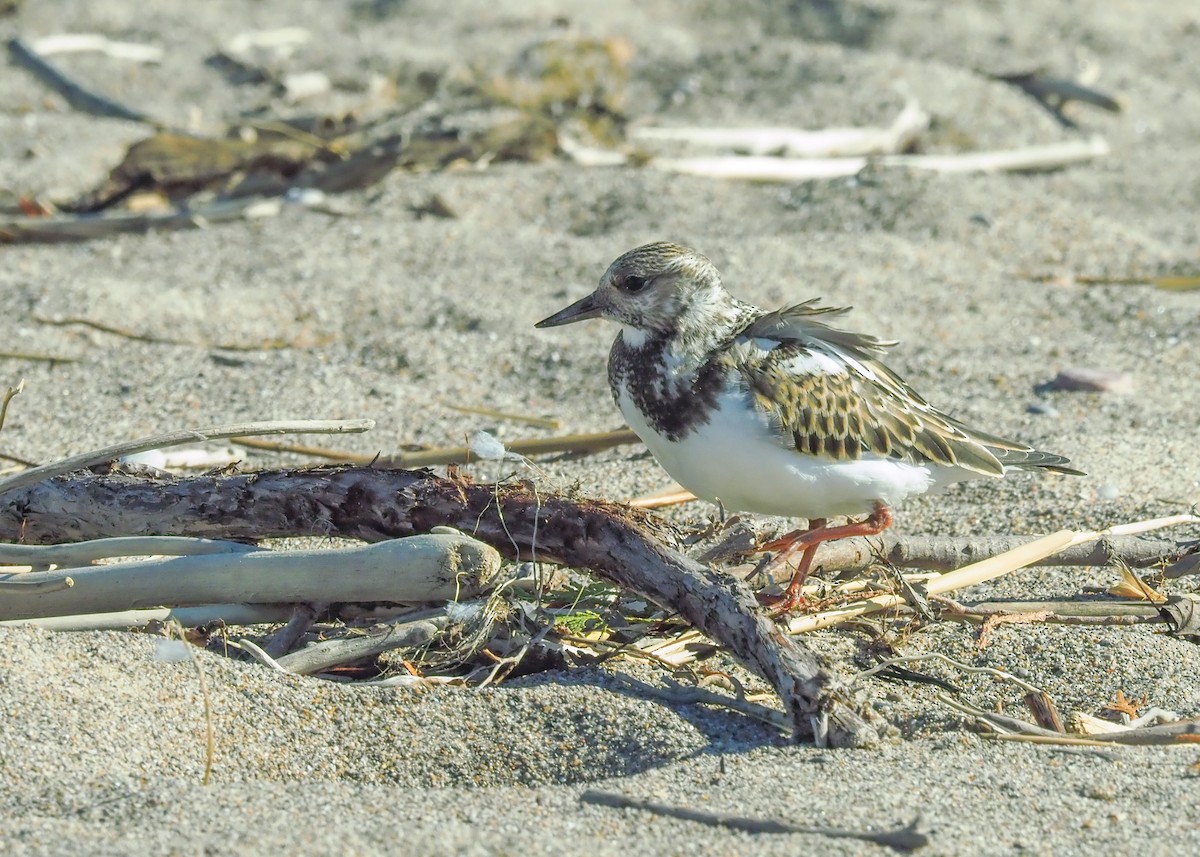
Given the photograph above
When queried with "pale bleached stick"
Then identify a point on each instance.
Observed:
(569, 443)
(176, 438)
(1047, 157)
(766, 169)
(1093, 609)
(434, 567)
(982, 571)
(532, 446)
(416, 629)
(84, 553)
(795, 142)
(763, 168)
(188, 617)
(72, 43)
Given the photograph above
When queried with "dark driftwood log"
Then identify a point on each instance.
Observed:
(617, 543)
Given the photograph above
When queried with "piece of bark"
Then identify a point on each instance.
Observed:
(617, 543)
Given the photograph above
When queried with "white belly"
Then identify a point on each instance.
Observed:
(736, 459)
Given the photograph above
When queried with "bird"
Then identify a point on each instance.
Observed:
(777, 412)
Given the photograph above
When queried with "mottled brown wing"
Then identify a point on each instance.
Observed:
(830, 396)
(844, 415)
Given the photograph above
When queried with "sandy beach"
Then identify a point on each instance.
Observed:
(992, 283)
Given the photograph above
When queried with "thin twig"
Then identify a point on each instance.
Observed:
(253, 649)
(570, 443)
(9, 395)
(672, 495)
(176, 438)
(64, 43)
(991, 622)
(103, 327)
(958, 665)
(541, 422)
(154, 339)
(1169, 283)
(77, 95)
(795, 142)
(38, 357)
(984, 570)
(302, 449)
(903, 839)
(87, 227)
(768, 169)
(210, 737)
(995, 721)
(678, 694)
(1064, 740)
(188, 617)
(573, 443)
(416, 629)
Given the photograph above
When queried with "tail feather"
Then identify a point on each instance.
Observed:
(1035, 459)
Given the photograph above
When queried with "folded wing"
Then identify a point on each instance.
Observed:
(829, 395)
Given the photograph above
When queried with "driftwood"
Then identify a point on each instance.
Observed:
(429, 567)
(798, 143)
(940, 553)
(188, 617)
(41, 557)
(1050, 156)
(619, 544)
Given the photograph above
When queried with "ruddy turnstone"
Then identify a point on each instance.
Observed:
(781, 412)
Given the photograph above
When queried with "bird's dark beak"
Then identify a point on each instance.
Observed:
(582, 309)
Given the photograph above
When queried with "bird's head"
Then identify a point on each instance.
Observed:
(656, 289)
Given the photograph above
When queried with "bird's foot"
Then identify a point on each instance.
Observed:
(807, 542)
(778, 606)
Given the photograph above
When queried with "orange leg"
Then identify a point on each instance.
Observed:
(809, 540)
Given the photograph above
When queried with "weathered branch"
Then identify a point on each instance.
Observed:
(430, 567)
(943, 553)
(619, 544)
(188, 617)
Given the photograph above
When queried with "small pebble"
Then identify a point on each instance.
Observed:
(303, 85)
(171, 651)
(484, 445)
(1082, 379)
(1108, 491)
(1043, 408)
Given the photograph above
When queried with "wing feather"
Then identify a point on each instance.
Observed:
(853, 404)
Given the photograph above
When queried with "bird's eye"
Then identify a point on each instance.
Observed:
(635, 284)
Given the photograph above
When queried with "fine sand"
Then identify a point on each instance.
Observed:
(397, 315)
